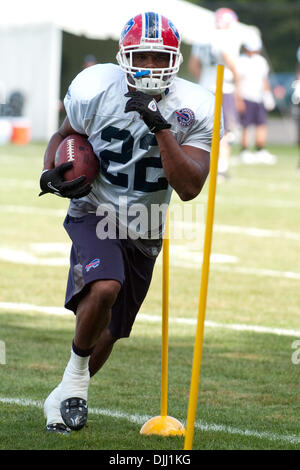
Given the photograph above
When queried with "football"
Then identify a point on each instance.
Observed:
(76, 149)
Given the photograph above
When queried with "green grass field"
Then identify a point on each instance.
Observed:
(249, 394)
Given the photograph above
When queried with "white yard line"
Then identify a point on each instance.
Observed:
(273, 185)
(17, 256)
(259, 272)
(256, 232)
(17, 183)
(228, 326)
(237, 230)
(31, 210)
(141, 419)
(143, 317)
(219, 228)
(256, 202)
(23, 307)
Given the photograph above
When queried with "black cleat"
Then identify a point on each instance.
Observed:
(58, 428)
(74, 412)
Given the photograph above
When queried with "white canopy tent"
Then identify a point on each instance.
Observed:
(31, 43)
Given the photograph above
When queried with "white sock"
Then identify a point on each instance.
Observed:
(52, 407)
(76, 378)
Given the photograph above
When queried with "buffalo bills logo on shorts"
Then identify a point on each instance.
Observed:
(93, 264)
(185, 117)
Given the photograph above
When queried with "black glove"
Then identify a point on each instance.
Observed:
(52, 181)
(148, 109)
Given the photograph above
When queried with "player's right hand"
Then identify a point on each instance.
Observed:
(52, 181)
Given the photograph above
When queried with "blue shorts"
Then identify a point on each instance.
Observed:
(254, 114)
(93, 259)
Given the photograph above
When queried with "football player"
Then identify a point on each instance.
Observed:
(256, 92)
(152, 133)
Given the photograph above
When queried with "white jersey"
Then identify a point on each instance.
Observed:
(253, 71)
(131, 167)
(211, 54)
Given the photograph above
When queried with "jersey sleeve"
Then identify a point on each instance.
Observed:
(200, 133)
(76, 111)
(82, 98)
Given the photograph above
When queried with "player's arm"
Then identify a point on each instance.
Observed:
(54, 142)
(268, 98)
(230, 64)
(186, 167)
(52, 178)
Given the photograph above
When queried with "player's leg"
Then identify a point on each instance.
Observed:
(92, 317)
(101, 351)
(260, 136)
(246, 155)
(99, 356)
(94, 312)
(262, 154)
(138, 273)
(95, 277)
(244, 138)
(247, 119)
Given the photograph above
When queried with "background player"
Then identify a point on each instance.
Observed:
(152, 133)
(256, 92)
(222, 48)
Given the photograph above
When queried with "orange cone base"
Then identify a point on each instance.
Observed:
(163, 426)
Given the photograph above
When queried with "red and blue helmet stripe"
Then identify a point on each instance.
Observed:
(152, 29)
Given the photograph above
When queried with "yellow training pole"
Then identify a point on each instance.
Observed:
(188, 442)
(164, 425)
(165, 320)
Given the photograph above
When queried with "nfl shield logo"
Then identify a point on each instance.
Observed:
(185, 117)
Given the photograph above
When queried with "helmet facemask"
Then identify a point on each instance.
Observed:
(152, 81)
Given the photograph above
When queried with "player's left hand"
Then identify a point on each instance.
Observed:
(239, 103)
(147, 107)
(52, 181)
